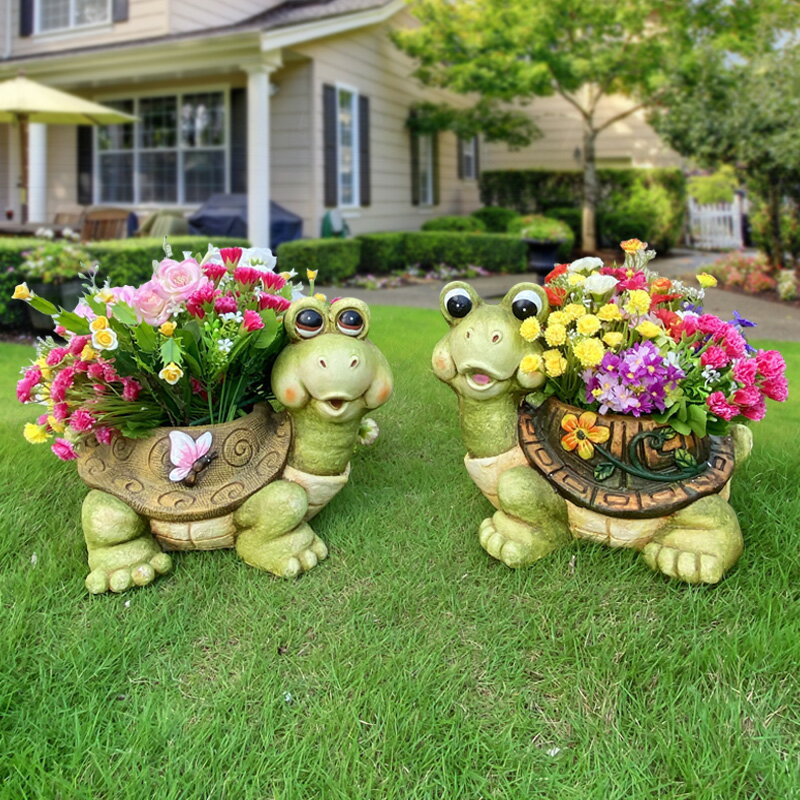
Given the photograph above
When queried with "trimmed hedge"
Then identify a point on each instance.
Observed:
(382, 253)
(336, 259)
(652, 199)
(453, 222)
(495, 218)
(495, 252)
(13, 313)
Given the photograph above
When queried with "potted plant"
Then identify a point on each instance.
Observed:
(212, 406)
(606, 405)
(549, 240)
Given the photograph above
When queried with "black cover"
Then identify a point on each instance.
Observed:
(226, 215)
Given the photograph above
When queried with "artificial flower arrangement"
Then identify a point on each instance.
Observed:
(628, 341)
(194, 345)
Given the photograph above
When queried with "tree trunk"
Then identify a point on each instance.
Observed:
(590, 191)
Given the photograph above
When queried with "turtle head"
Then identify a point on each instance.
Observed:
(329, 364)
(480, 356)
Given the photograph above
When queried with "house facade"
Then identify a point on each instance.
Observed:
(303, 102)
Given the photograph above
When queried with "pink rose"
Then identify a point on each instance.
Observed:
(720, 407)
(124, 294)
(151, 302)
(776, 388)
(64, 450)
(252, 321)
(274, 301)
(83, 310)
(770, 363)
(179, 279)
(744, 371)
(714, 357)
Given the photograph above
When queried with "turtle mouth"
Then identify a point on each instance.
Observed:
(480, 381)
(334, 406)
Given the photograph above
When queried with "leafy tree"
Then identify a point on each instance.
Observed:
(746, 114)
(510, 51)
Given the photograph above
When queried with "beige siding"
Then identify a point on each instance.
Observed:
(367, 61)
(7, 199)
(194, 15)
(62, 168)
(147, 18)
(631, 140)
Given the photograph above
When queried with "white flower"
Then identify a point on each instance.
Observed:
(599, 284)
(225, 345)
(236, 316)
(710, 376)
(258, 258)
(585, 264)
(104, 339)
(368, 431)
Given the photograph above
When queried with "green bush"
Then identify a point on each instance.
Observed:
(382, 253)
(493, 251)
(455, 223)
(495, 218)
(13, 313)
(544, 229)
(570, 216)
(790, 227)
(719, 187)
(336, 259)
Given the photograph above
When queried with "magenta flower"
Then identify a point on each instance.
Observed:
(64, 450)
(744, 371)
(252, 321)
(273, 282)
(274, 301)
(131, 389)
(56, 356)
(81, 420)
(225, 304)
(215, 271)
(95, 371)
(776, 388)
(60, 411)
(720, 407)
(714, 357)
(61, 383)
(104, 434)
(77, 344)
(203, 296)
(770, 363)
(248, 276)
(230, 255)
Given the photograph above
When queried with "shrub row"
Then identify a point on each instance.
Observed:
(646, 203)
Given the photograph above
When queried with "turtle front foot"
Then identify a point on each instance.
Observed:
(123, 566)
(515, 543)
(700, 543)
(286, 556)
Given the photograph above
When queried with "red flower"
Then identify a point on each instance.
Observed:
(215, 271)
(199, 298)
(555, 295)
(249, 276)
(230, 255)
(225, 305)
(559, 269)
(658, 299)
(274, 301)
(273, 282)
(252, 321)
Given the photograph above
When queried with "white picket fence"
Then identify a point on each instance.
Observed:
(716, 226)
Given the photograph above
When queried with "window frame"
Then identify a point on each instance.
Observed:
(71, 26)
(355, 147)
(469, 157)
(426, 188)
(137, 150)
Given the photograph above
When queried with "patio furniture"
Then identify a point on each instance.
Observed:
(164, 223)
(105, 223)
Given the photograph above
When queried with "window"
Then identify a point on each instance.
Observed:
(176, 153)
(55, 15)
(426, 167)
(347, 146)
(469, 158)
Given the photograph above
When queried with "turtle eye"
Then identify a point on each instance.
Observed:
(526, 304)
(308, 323)
(350, 322)
(458, 303)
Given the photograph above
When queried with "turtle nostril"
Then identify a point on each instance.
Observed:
(468, 333)
(496, 337)
(323, 363)
(354, 362)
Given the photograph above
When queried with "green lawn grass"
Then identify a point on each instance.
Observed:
(410, 664)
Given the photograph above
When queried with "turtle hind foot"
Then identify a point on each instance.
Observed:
(121, 567)
(286, 556)
(515, 543)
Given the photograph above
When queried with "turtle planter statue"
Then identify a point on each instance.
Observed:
(252, 483)
(554, 472)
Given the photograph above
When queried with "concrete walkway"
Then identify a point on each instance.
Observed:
(775, 320)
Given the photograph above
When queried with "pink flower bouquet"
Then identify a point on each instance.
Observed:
(628, 341)
(193, 345)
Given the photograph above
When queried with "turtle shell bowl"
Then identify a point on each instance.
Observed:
(622, 466)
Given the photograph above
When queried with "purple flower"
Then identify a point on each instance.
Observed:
(741, 322)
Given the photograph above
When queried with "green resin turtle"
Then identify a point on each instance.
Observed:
(637, 488)
(252, 483)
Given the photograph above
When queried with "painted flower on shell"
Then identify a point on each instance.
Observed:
(581, 432)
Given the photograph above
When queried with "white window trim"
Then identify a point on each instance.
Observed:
(426, 191)
(180, 203)
(356, 149)
(88, 26)
(470, 147)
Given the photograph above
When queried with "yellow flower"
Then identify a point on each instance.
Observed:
(648, 329)
(168, 328)
(105, 296)
(532, 363)
(554, 363)
(22, 292)
(609, 312)
(57, 426)
(98, 324)
(706, 280)
(613, 338)
(35, 434)
(104, 339)
(638, 302)
(575, 279)
(87, 354)
(555, 335)
(172, 373)
(311, 274)
(558, 318)
(286, 275)
(574, 310)
(588, 325)
(589, 352)
(321, 297)
(581, 432)
(530, 330)
(632, 245)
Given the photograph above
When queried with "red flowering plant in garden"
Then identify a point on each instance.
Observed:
(624, 339)
(193, 345)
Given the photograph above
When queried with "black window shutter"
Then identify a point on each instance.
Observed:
(414, 137)
(477, 158)
(120, 10)
(25, 17)
(435, 165)
(331, 187)
(363, 151)
(238, 165)
(460, 157)
(85, 165)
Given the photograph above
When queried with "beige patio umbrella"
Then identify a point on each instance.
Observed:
(23, 101)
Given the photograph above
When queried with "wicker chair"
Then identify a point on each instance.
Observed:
(105, 223)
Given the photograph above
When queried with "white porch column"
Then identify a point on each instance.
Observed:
(258, 154)
(14, 165)
(37, 172)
